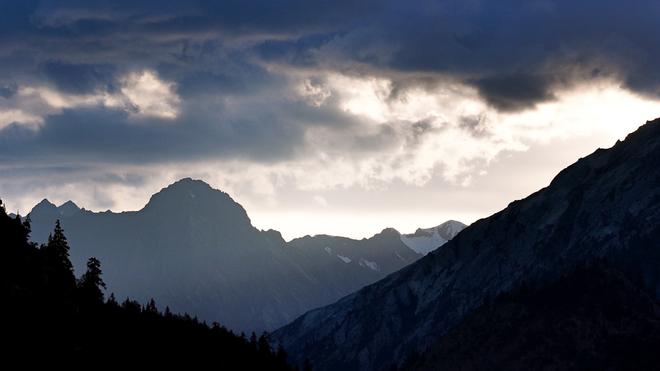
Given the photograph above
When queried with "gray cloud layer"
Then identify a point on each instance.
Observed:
(514, 53)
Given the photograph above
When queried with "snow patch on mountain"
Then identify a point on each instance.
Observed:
(423, 244)
(345, 259)
(425, 240)
(371, 265)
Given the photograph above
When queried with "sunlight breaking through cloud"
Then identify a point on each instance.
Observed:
(450, 130)
(150, 96)
(10, 116)
(141, 94)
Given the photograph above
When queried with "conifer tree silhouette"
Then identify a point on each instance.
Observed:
(151, 307)
(264, 344)
(57, 248)
(91, 285)
(307, 365)
(59, 267)
(47, 314)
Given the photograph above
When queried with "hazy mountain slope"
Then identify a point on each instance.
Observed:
(606, 205)
(425, 240)
(194, 249)
(344, 265)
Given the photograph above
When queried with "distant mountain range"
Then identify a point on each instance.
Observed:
(518, 290)
(194, 249)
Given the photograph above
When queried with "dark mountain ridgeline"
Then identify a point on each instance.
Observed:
(604, 207)
(50, 317)
(195, 250)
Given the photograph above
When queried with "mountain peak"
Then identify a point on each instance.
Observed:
(189, 196)
(425, 240)
(451, 222)
(186, 188)
(68, 204)
(188, 181)
(446, 230)
(68, 208)
(389, 231)
(450, 229)
(44, 205)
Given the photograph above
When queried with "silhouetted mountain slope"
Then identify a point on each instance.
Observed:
(606, 205)
(592, 318)
(194, 248)
(50, 317)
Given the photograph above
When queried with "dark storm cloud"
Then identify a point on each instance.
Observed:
(98, 134)
(514, 92)
(8, 90)
(514, 53)
(79, 78)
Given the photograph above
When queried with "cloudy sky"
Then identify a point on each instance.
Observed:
(340, 117)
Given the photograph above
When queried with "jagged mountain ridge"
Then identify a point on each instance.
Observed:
(194, 249)
(185, 249)
(344, 259)
(605, 206)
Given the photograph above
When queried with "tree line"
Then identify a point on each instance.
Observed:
(50, 315)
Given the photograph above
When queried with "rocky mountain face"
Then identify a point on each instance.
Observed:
(592, 318)
(604, 207)
(194, 249)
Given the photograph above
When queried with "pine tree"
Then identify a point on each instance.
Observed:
(91, 284)
(27, 224)
(131, 306)
(151, 307)
(112, 301)
(60, 269)
(264, 344)
(307, 365)
(253, 340)
(57, 248)
(281, 354)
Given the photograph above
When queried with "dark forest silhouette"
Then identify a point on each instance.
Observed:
(49, 315)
